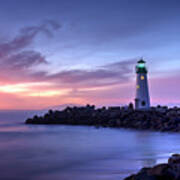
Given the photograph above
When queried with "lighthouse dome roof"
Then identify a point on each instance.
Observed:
(140, 67)
(141, 61)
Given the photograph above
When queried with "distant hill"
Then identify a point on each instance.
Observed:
(63, 106)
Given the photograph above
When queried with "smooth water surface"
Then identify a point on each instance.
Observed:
(43, 152)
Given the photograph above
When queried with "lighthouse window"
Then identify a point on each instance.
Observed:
(142, 77)
(143, 103)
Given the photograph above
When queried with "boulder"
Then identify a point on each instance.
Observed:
(174, 159)
(169, 171)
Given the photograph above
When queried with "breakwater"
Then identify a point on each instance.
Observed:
(157, 118)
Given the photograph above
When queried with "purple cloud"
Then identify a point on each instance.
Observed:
(16, 59)
(107, 75)
(13, 54)
(24, 60)
(118, 71)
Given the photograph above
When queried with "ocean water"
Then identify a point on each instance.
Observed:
(43, 152)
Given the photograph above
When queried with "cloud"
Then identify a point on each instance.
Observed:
(45, 28)
(26, 37)
(16, 58)
(53, 24)
(107, 75)
(23, 83)
(24, 60)
(118, 72)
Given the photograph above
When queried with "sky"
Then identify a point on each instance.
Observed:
(55, 52)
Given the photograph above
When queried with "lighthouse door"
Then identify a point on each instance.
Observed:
(143, 103)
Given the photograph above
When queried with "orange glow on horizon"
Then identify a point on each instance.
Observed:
(42, 95)
(21, 87)
(48, 93)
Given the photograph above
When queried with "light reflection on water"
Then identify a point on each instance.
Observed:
(77, 152)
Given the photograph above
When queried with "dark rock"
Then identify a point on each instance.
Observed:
(159, 119)
(169, 171)
(174, 159)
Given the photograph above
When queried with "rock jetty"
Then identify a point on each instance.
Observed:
(169, 171)
(157, 118)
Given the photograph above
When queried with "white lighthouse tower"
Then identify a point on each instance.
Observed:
(142, 100)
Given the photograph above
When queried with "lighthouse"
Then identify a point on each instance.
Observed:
(142, 100)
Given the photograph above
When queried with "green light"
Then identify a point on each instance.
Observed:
(141, 65)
